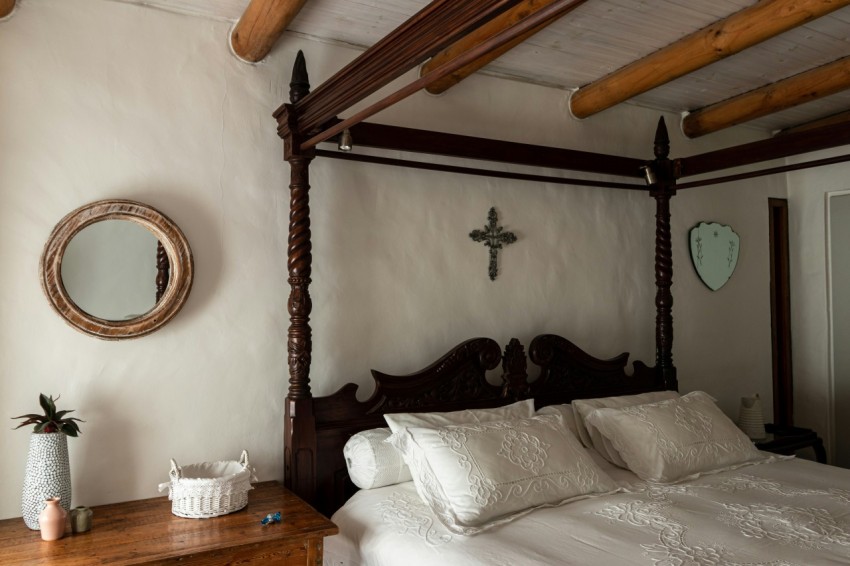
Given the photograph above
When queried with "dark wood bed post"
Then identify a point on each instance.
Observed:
(300, 434)
(162, 270)
(661, 190)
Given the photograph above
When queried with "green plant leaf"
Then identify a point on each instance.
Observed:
(52, 420)
(71, 429)
(30, 416)
(48, 404)
(27, 422)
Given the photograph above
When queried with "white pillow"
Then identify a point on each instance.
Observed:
(567, 413)
(518, 410)
(371, 462)
(476, 476)
(677, 439)
(591, 437)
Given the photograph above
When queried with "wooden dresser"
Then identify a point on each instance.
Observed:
(145, 532)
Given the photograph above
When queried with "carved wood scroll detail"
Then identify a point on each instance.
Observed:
(460, 374)
(567, 372)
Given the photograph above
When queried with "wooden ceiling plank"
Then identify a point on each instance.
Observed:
(798, 143)
(811, 85)
(6, 7)
(432, 29)
(721, 39)
(261, 25)
(476, 37)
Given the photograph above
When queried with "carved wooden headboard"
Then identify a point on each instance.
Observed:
(458, 381)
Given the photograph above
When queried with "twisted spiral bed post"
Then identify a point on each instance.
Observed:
(662, 190)
(300, 435)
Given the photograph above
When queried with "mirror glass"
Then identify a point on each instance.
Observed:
(714, 251)
(109, 269)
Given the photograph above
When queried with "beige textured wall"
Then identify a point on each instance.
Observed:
(109, 100)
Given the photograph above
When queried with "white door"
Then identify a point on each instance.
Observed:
(839, 259)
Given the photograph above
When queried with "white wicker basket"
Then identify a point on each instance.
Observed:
(209, 489)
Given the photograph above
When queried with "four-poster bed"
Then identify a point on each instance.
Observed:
(316, 429)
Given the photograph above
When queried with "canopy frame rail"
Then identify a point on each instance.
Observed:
(765, 172)
(475, 171)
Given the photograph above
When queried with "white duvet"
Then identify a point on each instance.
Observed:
(789, 512)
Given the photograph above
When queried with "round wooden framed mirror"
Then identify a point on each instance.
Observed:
(116, 269)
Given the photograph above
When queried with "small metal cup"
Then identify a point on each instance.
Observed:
(80, 519)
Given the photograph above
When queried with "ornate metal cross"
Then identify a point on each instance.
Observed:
(493, 237)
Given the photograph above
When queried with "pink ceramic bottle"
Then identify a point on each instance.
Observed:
(52, 520)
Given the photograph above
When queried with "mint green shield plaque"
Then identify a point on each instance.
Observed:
(714, 251)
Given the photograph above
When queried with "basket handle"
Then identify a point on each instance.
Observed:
(243, 461)
(176, 472)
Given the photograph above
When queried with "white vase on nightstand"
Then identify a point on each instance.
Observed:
(751, 419)
(48, 474)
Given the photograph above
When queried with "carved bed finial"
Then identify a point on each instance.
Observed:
(299, 85)
(662, 140)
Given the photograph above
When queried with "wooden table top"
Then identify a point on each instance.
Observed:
(142, 531)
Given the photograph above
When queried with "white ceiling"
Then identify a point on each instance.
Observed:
(599, 37)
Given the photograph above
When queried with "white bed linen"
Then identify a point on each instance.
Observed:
(789, 512)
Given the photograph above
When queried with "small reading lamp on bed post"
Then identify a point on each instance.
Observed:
(648, 174)
(345, 143)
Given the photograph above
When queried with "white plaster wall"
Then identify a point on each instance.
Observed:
(807, 190)
(109, 100)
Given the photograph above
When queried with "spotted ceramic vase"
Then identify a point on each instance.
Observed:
(48, 475)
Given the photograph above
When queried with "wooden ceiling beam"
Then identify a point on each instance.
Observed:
(811, 85)
(839, 118)
(6, 7)
(260, 26)
(798, 143)
(721, 39)
(478, 36)
(432, 29)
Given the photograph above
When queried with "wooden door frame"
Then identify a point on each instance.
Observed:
(780, 313)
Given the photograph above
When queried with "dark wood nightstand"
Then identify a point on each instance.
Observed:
(145, 532)
(789, 439)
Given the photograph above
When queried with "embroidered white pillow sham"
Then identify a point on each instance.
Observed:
(518, 410)
(476, 476)
(567, 413)
(591, 437)
(372, 462)
(676, 439)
